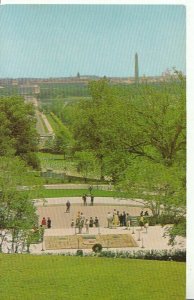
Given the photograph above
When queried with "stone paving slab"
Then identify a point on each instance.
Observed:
(86, 241)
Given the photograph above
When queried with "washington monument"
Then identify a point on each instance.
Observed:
(136, 69)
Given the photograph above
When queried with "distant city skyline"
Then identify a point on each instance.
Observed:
(42, 41)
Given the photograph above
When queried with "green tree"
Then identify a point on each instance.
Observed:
(85, 163)
(18, 133)
(159, 114)
(6, 143)
(159, 186)
(138, 138)
(17, 212)
(100, 125)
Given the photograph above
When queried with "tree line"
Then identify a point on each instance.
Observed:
(136, 137)
(18, 146)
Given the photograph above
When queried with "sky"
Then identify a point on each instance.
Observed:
(62, 40)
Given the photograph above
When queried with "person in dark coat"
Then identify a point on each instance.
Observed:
(68, 204)
(91, 223)
(96, 222)
(84, 200)
(48, 222)
(92, 200)
(121, 219)
(124, 219)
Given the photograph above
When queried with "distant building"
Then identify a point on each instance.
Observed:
(14, 82)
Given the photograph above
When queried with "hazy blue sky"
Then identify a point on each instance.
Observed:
(60, 40)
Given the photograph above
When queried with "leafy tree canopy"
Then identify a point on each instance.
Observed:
(18, 135)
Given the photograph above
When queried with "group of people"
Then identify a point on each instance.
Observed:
(124, 219)
(85, 202)
(85, 198)
(142, 221)
(142, 213)
(46, 223)
(116, 219)
(81, 222)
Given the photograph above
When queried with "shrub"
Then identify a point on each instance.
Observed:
(152, 221)
(97, 248)
(162, 255)
(166, 255)
(79, 253)
(32, 160)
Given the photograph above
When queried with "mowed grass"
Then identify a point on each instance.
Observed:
(60, 278)
(53, 161)
(44, 193)
(58, 163)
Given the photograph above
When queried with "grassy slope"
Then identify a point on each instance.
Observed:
(53, 123)
(57, 277)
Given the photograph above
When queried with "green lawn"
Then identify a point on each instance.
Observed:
(59, 278)
(55, 162)
(47, 160)
(70, 193)
(58, 163)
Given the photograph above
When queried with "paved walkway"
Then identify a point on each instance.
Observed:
(61, 219)
(97, 200)
(55, 208)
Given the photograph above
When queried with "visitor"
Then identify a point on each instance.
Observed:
(96, 222)
(84, 200)
(48, 222)
(121, 219)
(87, 225)
(68, 204)
(141, 222)
(82, 215)
(114, 212)
(115, 220)
(72, 223)
(146, 213)
(90, 189)
(141, 214)
(128, 221)
(118, 217)
(79, 225)
(109, 219)
(77, 221)
(92, 200)
(80, 222)
(91, 223)
(43, 222)
(124, 218)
